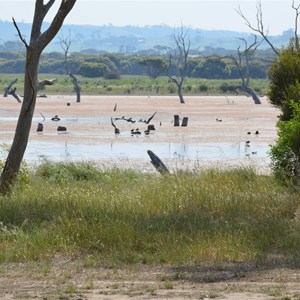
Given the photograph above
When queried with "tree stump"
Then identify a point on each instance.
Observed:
(40, 127)
(185, 122)
(176, 120)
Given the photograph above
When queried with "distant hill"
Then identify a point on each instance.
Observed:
(133, 39)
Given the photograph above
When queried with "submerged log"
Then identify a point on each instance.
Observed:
(157, 163)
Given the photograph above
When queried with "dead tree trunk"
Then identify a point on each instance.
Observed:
(38, 41)
(157, 163)
(242, 63)
(179, 60)
(8, 89)
(76, 86)
(250, 91)
(14, 94)
(65, 43)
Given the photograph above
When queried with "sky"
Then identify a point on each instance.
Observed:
(278, 15)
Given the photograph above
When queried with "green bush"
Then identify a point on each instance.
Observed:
(284, 75)
(285, 154)
(203, 87)
(112, 75)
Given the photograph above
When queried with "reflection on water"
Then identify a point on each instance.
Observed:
(113, 151)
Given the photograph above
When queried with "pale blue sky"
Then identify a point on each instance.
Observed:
(214, 14)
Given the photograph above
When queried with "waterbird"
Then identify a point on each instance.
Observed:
(55, 118)
(117, 130)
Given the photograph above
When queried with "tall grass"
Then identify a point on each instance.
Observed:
(128, 217)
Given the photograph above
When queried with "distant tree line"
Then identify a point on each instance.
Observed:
(112, 66)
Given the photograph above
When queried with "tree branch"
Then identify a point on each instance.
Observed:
(65, 7)
(260, 26)
(296, 8)
(19, 33)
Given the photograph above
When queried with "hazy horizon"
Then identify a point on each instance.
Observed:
(278, 15)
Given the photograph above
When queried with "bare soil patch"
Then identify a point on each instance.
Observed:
(69, 279)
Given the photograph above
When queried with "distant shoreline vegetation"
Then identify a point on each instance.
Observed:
(134, 85)
(114, 65)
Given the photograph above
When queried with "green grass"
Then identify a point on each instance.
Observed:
(125, 217)
(132, 85)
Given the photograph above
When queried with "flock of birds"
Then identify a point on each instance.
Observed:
(248, 143)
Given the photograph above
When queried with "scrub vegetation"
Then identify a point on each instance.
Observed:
(135, 85)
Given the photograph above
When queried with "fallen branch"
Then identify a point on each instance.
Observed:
(14, 94)
(8, 89)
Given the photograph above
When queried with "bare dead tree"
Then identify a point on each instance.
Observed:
(259, 25)
(242, 63)
(179, 61)
(259, 28)
(38, 41)
(65, 43)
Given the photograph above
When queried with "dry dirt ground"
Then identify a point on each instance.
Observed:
(65, 278)
(70, 279)
(89, 123)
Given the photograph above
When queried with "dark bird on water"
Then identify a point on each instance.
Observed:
(55, 118)
(137, 131)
